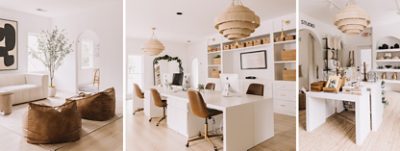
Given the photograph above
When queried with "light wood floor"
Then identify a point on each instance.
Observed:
(142, 135)
(338, 133)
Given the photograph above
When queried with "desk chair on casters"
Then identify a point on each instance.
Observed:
(256, 89)
(139, 95)
(200, 109)
(159, 103)
(210, 86)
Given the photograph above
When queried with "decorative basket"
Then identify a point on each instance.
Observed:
(289, 74)
(288, 54)
(265, 40)
(249, 43)
(290, 37)
(214, 73)
(227, 47)
(256, 42)
(216, 61)
(318, 86)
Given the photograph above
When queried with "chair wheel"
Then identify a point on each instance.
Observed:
(199, 134)
(187, 144)
(150, 120)
(215, 148)
(156, 124)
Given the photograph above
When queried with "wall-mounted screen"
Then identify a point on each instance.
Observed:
(253, 60)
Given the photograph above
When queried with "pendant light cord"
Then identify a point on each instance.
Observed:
(153, 35)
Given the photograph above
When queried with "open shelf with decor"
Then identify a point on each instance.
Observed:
(387, 58)
(285, 55)
(247, 43)
(214, 60)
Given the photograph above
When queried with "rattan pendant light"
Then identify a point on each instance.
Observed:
(153, 46)
(237, 21)
(352, 19)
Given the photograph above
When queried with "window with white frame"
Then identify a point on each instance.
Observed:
(34, 64)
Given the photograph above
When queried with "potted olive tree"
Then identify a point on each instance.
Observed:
(53, 47)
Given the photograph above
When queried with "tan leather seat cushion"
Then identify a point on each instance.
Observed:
(47, 124)
(99, 106)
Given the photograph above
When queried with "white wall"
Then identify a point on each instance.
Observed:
(27, 23)
(107, 22)
(179, 49)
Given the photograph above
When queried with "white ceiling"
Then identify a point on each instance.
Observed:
(380, 11)
(54, 8)
(197, 20)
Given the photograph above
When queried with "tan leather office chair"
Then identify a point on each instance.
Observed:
(159, 103)
(210, 86)
(199, 108)
(139, 95)
(256, 89)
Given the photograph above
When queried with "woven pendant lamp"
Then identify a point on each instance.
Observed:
(237, 22)
(352, 19)
(153, 46)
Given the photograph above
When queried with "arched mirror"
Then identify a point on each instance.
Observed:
(88, 72)
(164, 69)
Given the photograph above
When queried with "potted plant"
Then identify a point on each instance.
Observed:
(53, 47)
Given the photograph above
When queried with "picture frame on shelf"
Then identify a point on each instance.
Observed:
(253, 60)
(333, 84)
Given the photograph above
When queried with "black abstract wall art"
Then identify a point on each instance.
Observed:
(8, 45)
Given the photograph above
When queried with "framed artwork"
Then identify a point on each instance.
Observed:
(8, 45)
(333, 84)
(253, 60)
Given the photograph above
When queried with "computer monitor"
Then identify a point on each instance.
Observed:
(232, 80)
(177, 79)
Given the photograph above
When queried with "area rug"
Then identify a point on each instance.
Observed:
(14, 121)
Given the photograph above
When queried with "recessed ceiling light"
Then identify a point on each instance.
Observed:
(179, 13)
(41, 10)
(188, 41)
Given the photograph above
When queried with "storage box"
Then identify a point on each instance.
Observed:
(289, 74)
(288, 55)
(318, 86)
(265, 40)
(227, 47)
(216, 61)
(256, 42)
(214, 73)
(233, 46)
(249, 43)
(290, 37)
(240, 44)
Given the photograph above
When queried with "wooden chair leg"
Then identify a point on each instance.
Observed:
(138, 110)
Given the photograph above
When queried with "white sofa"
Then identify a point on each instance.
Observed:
(25, 87)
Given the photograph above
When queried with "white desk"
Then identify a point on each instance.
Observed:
(316, 111)
(247, 119)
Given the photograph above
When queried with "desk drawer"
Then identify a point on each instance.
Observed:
(287, 95)
(285, 85)
(285, 107)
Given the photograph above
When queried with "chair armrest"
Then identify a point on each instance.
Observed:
(37, 79)
(41, 80)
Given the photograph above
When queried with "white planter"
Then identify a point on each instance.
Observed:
(52, 91)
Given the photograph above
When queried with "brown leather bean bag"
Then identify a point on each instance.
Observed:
(47, 124)
(99, 106)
